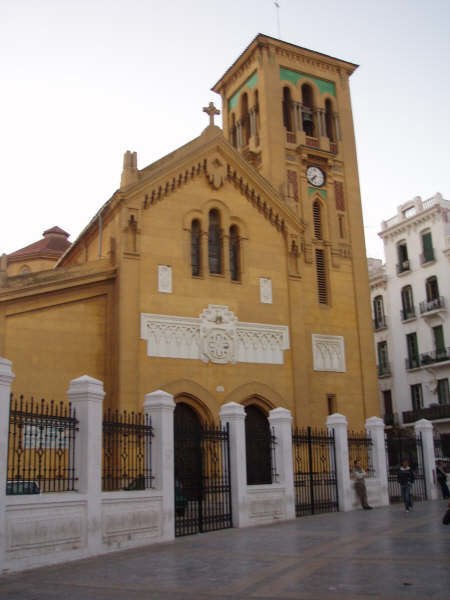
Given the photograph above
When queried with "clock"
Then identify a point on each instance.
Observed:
(315, 176)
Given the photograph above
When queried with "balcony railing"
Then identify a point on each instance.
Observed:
(312, 142)
(435, 356)
(390, 419)
(380, 323)
(408, 313)
(439, 411)
(430, 305)
(384, 370)
(412, 362)
(403, 266)
(427, 257)
(291, 138)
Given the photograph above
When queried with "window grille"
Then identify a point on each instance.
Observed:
(322, 284)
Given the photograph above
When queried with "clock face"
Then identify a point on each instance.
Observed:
(315, 176)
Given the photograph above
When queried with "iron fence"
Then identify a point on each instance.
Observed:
(127, 460)
(202, 478)
(360, 448)
(399, 448)
(41, 446)
(315, 478)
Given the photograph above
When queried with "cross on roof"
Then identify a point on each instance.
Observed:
(211, 110)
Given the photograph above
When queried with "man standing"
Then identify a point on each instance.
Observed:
(405, 477)
(359, 476)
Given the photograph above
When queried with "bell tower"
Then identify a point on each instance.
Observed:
(287, 110)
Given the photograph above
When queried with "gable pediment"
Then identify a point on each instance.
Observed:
(211, 158)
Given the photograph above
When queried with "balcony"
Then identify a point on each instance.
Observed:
(406, 314)
(390, 419)
(435, 304)
(438, 411)
(384, 370)
(412, 362)
(435, 356)
(427, 257)
(291, 138)
(402, 267)
(380, 323)
(312, 142)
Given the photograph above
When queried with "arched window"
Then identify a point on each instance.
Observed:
(196, 248)
(378, 312)
(235, 253)
(214, 242)
(25, 270)
(432, 288)
(258, 446)
(408, 311)
(329, 121)
(287, 109)
(245, 120)
(317, 220)
(308, 109)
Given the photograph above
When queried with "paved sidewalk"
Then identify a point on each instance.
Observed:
(384, 553)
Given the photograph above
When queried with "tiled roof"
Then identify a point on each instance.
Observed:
(52, 245)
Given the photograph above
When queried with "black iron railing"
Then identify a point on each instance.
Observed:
(41, 447)
(315, 478)
(127, 458)
(360, 449)
(429, 305)
(440, 411)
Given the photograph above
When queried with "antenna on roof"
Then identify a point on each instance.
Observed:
(277, 6)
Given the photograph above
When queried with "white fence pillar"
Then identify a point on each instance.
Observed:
(375, 429)
(86, 396)
(160, 406)
(233, 414)
(338, 423)
(424, 429)
(6, 379)
(280, 420)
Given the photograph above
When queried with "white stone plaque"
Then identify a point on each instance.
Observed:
(265, 290)
(164, 279)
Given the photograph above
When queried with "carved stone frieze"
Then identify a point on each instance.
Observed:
(328, 353)
(215, 336)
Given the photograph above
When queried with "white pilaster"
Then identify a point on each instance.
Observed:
(234, 414)
(338, 423)
(425, 429)
(280, 420)
(160, 406)
(6, 379)
(375, 429)
(86, 396)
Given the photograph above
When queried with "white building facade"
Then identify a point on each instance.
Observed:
(410, 297)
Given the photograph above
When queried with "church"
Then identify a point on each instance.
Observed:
(232, 269)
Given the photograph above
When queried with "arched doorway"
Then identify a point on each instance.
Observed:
(187, 451)
(202, 476)
(258, 441)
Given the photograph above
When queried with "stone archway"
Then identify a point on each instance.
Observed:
(258, 441)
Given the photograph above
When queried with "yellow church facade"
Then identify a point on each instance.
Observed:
(232, 269)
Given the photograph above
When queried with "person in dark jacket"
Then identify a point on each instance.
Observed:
(405, 477)
(441, 476)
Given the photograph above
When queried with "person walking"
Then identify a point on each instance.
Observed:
(359, 477)
(441, 476)
(405, 477)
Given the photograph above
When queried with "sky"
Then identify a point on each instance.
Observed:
(82, 81)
